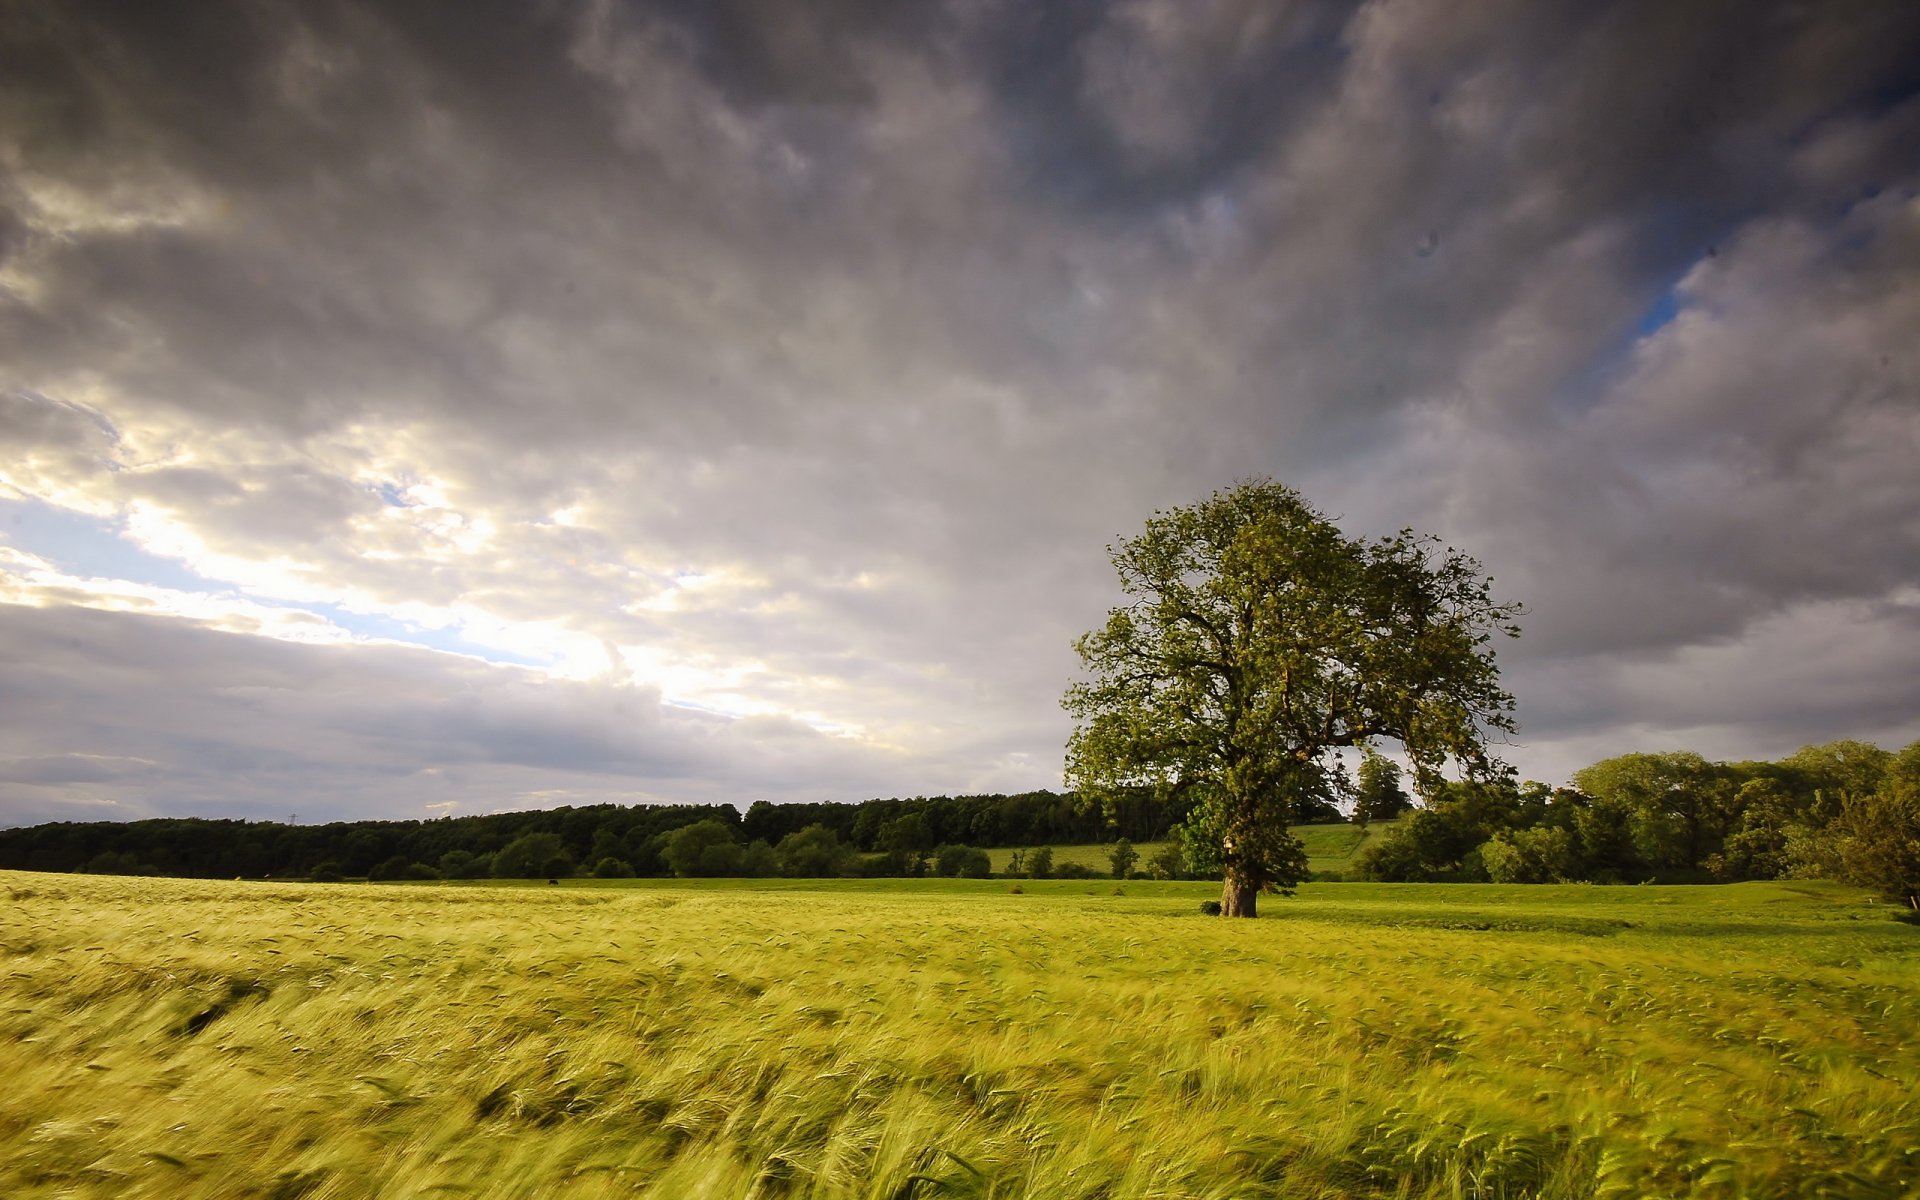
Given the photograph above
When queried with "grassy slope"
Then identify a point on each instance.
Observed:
(1329, 848)
(183, 1038)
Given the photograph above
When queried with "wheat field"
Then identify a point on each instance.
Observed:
(886, 1040)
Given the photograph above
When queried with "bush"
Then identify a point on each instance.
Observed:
(961, 862)
(703, 848)
(326, 872)
(814, 853)
(1074, 870)
(533, 856)
(115, 862)
(1540, 855)
(758, 861)
(1210, 907)
(1168, 862)
(1040, 863)
(464, 864)
(612, 868)
(390, 869)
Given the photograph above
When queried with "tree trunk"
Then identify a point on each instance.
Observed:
(1237, 895)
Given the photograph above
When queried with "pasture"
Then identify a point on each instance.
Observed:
(888, 1039)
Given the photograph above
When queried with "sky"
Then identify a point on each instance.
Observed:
(412, 410)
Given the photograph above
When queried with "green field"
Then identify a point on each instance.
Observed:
(1330, 848)
(889, 1039)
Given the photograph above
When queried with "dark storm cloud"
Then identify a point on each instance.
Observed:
(815, 351)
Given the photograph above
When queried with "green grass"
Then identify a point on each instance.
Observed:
(890, 1039)
(1330, 848)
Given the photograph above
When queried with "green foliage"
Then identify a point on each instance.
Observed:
(1878, 834)
(612, 868)
(1120, 861)
(391, 869)
(1039, 864)
(906, 841)
(1378, 795)
(814, 852)
(116, 862)
(961, 862)
(1259, 640)
(704, 848)
(534, 856)
(1679, 803)
(1540, 855)
(1168, 862)
(464, 864)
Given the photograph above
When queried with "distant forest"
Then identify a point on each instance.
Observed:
(876, 837)
(1846, 810)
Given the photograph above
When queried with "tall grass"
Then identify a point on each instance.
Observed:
(192, 1039)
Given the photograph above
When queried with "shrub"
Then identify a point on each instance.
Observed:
(390, 869)
(961, 862)
(326, 872)
(532, 856)
(1040, 863)
(1210, 907)
(612, 868)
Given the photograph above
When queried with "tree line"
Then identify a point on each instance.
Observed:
(882, 836)
(1845, 810)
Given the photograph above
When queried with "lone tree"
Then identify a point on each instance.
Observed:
(1260, 639)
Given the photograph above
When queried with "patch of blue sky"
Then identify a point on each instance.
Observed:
(93, 548)
(1585, 386)
(391, 629)
(1659, 314)
(88, 547)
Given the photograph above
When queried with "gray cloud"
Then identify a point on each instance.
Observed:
(800, 368)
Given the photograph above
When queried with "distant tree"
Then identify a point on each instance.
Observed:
(1757, 846)
(1040, 863)
(532, 856)
(1168, 862)
(1017, 864)
(1679, 803)
(1261, 640)
(465, 864)
(1122, 857)
(1879, 834)
(1378, 795)
(961, 862)
(1831, 776)
(812, 853)
(1436, 844)
(612, 868)
(704, 848)
(326, 872)
(390, 869)
(1540, 855)
(906, 841)
(115, 862)
(758, 861)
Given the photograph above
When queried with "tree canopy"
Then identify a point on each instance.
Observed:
(1258, 641)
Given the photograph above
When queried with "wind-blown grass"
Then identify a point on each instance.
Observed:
(193, 1039)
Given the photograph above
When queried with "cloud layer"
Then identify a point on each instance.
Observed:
(522, 404)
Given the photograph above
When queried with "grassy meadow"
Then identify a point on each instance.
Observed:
(889, 1039)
